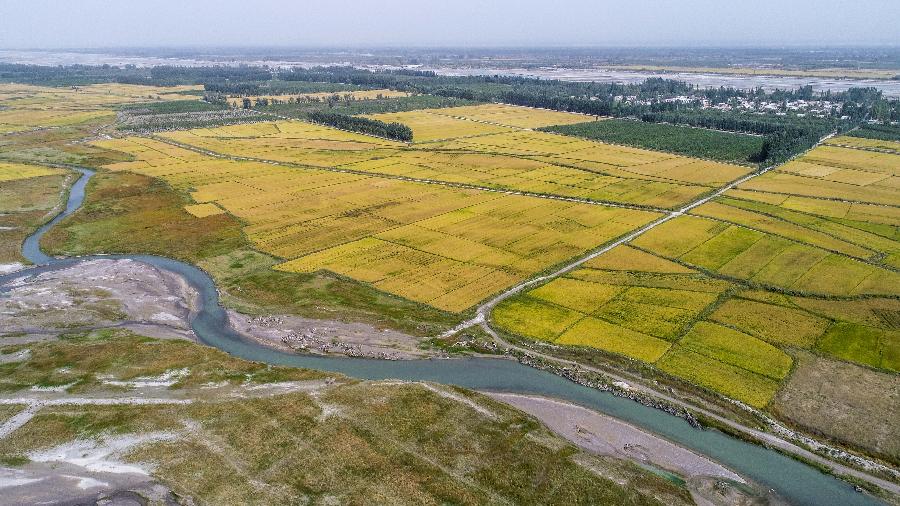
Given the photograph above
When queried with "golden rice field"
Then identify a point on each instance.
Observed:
(446, 247)
(860, 142)
(14, 171)
(833, 172)
(481, 154)
(511, 115)
(439, 124)
(321, 96)
(27, 107)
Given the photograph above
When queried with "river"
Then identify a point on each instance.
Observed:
(797, 482)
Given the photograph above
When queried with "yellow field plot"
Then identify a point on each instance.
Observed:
(613, 338)
(626, 258)
(738, 349)
(14, 171)
(633, 303)
(679, 236)
(6, 129)
(690, 170)
(515, 235)
(582, 296)
(781, 227)
(398, 269)
(776, 324)
(685, 282)
(89, 97)
(751, 388)
(33, 118)
(534, 318)
(204, 210)
(875, 233)
(519, 142)
(860, 142)
(616, 155)
(846, 158)
(839, 275)
(874, 214)
(293, 130)
(761, 196)
(321, 96)
(514, 116)
(792, 184)
(137, 92)
(427, 126)
(835, 174)
(480, 289)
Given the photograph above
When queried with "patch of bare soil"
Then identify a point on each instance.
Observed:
(328, 337)
(709, 482)
(605, 435)
(843, 401)
(96, 294)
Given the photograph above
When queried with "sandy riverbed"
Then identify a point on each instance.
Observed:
(130, 294)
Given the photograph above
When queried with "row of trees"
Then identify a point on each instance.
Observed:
(396, 131)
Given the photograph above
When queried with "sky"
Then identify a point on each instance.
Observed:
(197, 23)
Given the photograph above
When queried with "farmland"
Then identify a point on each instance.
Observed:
(433, 244)
(455, 145)
(798, 263)
(440, 245)
(730, 300)
(347, 96)
(699, 142)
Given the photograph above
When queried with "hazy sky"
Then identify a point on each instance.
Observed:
(99, 23)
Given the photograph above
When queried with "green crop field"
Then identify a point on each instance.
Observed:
(699, 142)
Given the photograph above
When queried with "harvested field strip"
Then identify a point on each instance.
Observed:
(319, 97)
(428, 126)
(513, 116)
(833, 156)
